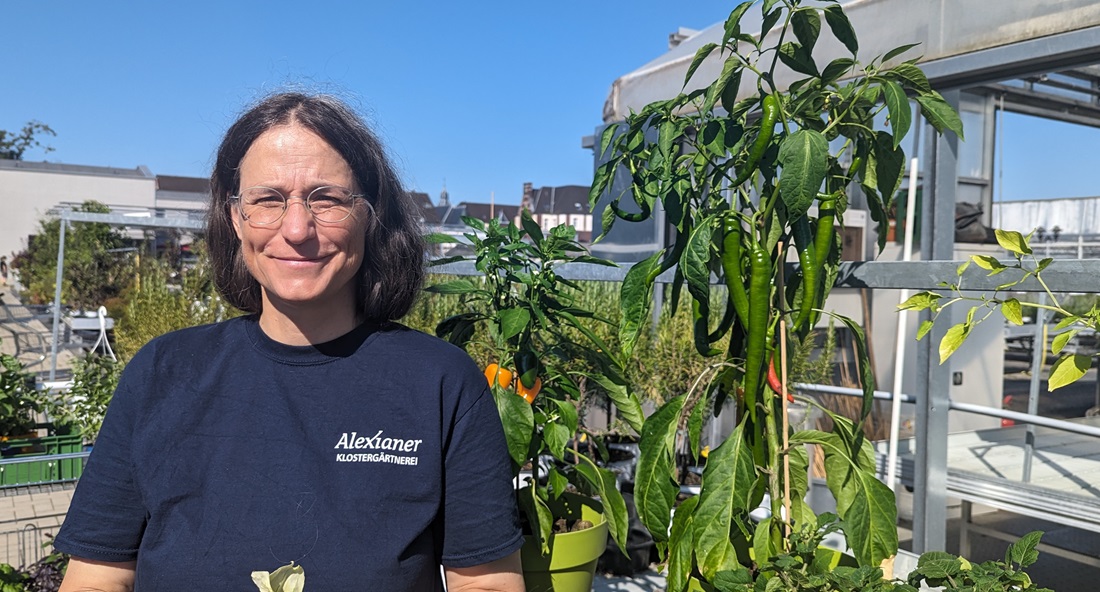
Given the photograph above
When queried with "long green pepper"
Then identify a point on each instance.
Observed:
(811, 271)
(770, 107)
(760, 287)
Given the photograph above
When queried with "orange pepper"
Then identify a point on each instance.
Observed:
(529, 394)
(497, 375)
(504, 378)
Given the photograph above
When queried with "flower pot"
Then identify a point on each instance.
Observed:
(571, 564)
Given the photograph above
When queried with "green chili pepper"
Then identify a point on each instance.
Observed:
(770, 107)
(823, 245)
(811, 272)
(823, 241)
(731, 267)
(725, 324)
(701, 330)
(760, 287)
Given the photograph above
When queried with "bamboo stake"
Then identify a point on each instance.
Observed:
(787, 518)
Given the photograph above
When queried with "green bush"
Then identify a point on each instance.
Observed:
(18, 398)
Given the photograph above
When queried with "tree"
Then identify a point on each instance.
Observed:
(13, 145)
(95, 268)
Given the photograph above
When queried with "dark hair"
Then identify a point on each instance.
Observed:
(393, 263)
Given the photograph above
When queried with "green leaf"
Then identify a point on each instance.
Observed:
(654, 489)
(695, 425)
(897, 104)
(865, 504)
(519, 423)
(700, 56)
(987, 262)
(453, 287)
(556, 436)
(770, 17)
(804, 157)
(837, 69)
(626, 401)
(793, 57)
(893, 53)
(925, 327)
(605, 173)
(841, 27)
(952, 340)
(941, 115)
(920, 301)
(1067, 370)
(614, 507)
(513, 321)
(439, 238)
(1060, 340)
(729, 481)
(1013, 311)
(911, 76)
(733, 21)
(635, 297)
(681, 544)
(558, 482)
(889, 165)
(731, 70)
(531, 227)
(1067, 321)
(1023, 551)
(807, 27)
(1012, 241)
(695, 260)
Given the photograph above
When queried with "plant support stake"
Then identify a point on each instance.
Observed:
(903, 317)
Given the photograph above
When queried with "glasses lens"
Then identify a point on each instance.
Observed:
(331, 204)
(262, 205)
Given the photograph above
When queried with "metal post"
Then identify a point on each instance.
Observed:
(937, 242)
(1038, 353)
(57, 294)
(1038, 356)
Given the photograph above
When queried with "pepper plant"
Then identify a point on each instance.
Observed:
(747, 171)
(546, 357)
(1070, 366)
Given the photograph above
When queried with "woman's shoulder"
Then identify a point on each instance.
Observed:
(401, 341)
(198, 341)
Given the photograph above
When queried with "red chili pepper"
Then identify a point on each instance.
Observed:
(773, 380)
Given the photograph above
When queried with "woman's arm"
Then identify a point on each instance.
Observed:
(86, 575)
(502, 575)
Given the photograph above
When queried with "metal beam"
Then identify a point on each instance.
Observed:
(1015, 60)
(1067, 275)
(136, 221)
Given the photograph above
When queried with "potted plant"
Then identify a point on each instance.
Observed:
(522, 316)
(764, 179)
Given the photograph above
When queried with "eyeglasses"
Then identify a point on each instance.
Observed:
(264, 205)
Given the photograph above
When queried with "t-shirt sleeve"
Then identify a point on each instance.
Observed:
(106, 518)
(480, 519)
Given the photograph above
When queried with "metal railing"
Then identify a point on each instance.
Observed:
(42, 469)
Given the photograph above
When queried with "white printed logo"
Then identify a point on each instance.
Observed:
(353, 441)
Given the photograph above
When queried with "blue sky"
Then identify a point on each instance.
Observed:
(484, 95)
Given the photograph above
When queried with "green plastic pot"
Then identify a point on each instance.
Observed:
(571, 564)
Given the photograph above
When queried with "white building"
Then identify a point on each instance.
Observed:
(28, 190)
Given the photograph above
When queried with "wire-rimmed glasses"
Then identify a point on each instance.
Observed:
(264, 205)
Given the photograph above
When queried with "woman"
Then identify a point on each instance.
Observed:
(315, 430)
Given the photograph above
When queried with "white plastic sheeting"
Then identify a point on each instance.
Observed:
(944, 28)
(1074, 216)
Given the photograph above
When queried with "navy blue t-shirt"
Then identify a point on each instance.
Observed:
(369, 460)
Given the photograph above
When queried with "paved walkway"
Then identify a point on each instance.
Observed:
(27, 515)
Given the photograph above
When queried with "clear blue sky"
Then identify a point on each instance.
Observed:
(484, 95)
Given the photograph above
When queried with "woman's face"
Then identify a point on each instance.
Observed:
(298, 260)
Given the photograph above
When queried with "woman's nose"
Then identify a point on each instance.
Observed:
(297, 221)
